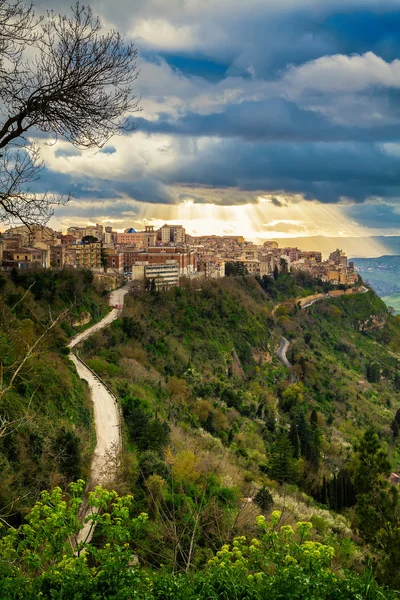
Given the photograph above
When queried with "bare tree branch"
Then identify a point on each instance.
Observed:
(77, 86)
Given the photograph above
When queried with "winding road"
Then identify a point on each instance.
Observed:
(361, 290)
(284, 345)
(282, 352)
(106, 411)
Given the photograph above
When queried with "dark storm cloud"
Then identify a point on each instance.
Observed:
(273, 119)
(223, 69)
(146, 189)
(277, 202)
(325, 172)
(375, 216)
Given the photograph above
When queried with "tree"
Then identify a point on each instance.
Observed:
(66, 448)
(282, 466)
(377, 507)
(283, 265)
(395, 428)
(89, 239)
(264, 499)
(77, 85)
(373, 373)
(235, 268)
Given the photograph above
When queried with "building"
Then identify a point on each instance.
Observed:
(77, 232)
(25, 258)
(115, 263)
(130, 239)
(12, 242)
(211, 268)
(338, 257)
(252, 265)
(33, 234)
(186, 258)
(108, 238)
(57, 256)
(149, 237)
(311, 256)
(164, 275)
(270, 245)
(173, 234)
(95, 231)
(293, 253)
(85, 256)
(68, 239)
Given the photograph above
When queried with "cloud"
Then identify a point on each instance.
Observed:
(375, 216)
(285, 227)
(277, 202)
(340, 73)
(290, 99)
(167, 169)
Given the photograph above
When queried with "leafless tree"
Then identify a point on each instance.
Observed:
(61, 76)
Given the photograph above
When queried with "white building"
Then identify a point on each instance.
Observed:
(164, 275)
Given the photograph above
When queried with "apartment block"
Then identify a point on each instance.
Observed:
(57, 256)
(164, 275)
(85, 256)
(172, 234)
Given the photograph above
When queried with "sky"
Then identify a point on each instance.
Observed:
(267, 118)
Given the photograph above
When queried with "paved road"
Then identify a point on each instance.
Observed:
(283, 348)
(282, 352)
(116, 298)
(106, 412)
(363, 290)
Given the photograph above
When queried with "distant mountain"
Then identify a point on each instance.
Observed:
(383, 274)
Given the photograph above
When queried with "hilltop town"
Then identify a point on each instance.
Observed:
(162, 255)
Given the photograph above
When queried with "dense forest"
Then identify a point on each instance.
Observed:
(239, 478)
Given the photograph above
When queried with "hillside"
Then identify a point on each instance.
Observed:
(217, 431)
(206, 400)
(45, 430)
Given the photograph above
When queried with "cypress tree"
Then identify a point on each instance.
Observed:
(294, 439)
(282, 466)
(395, 428)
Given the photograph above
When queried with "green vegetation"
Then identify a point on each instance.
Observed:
(217, 431)
(212, 417)
(46, 436)
(235, 268)
(41, 559)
